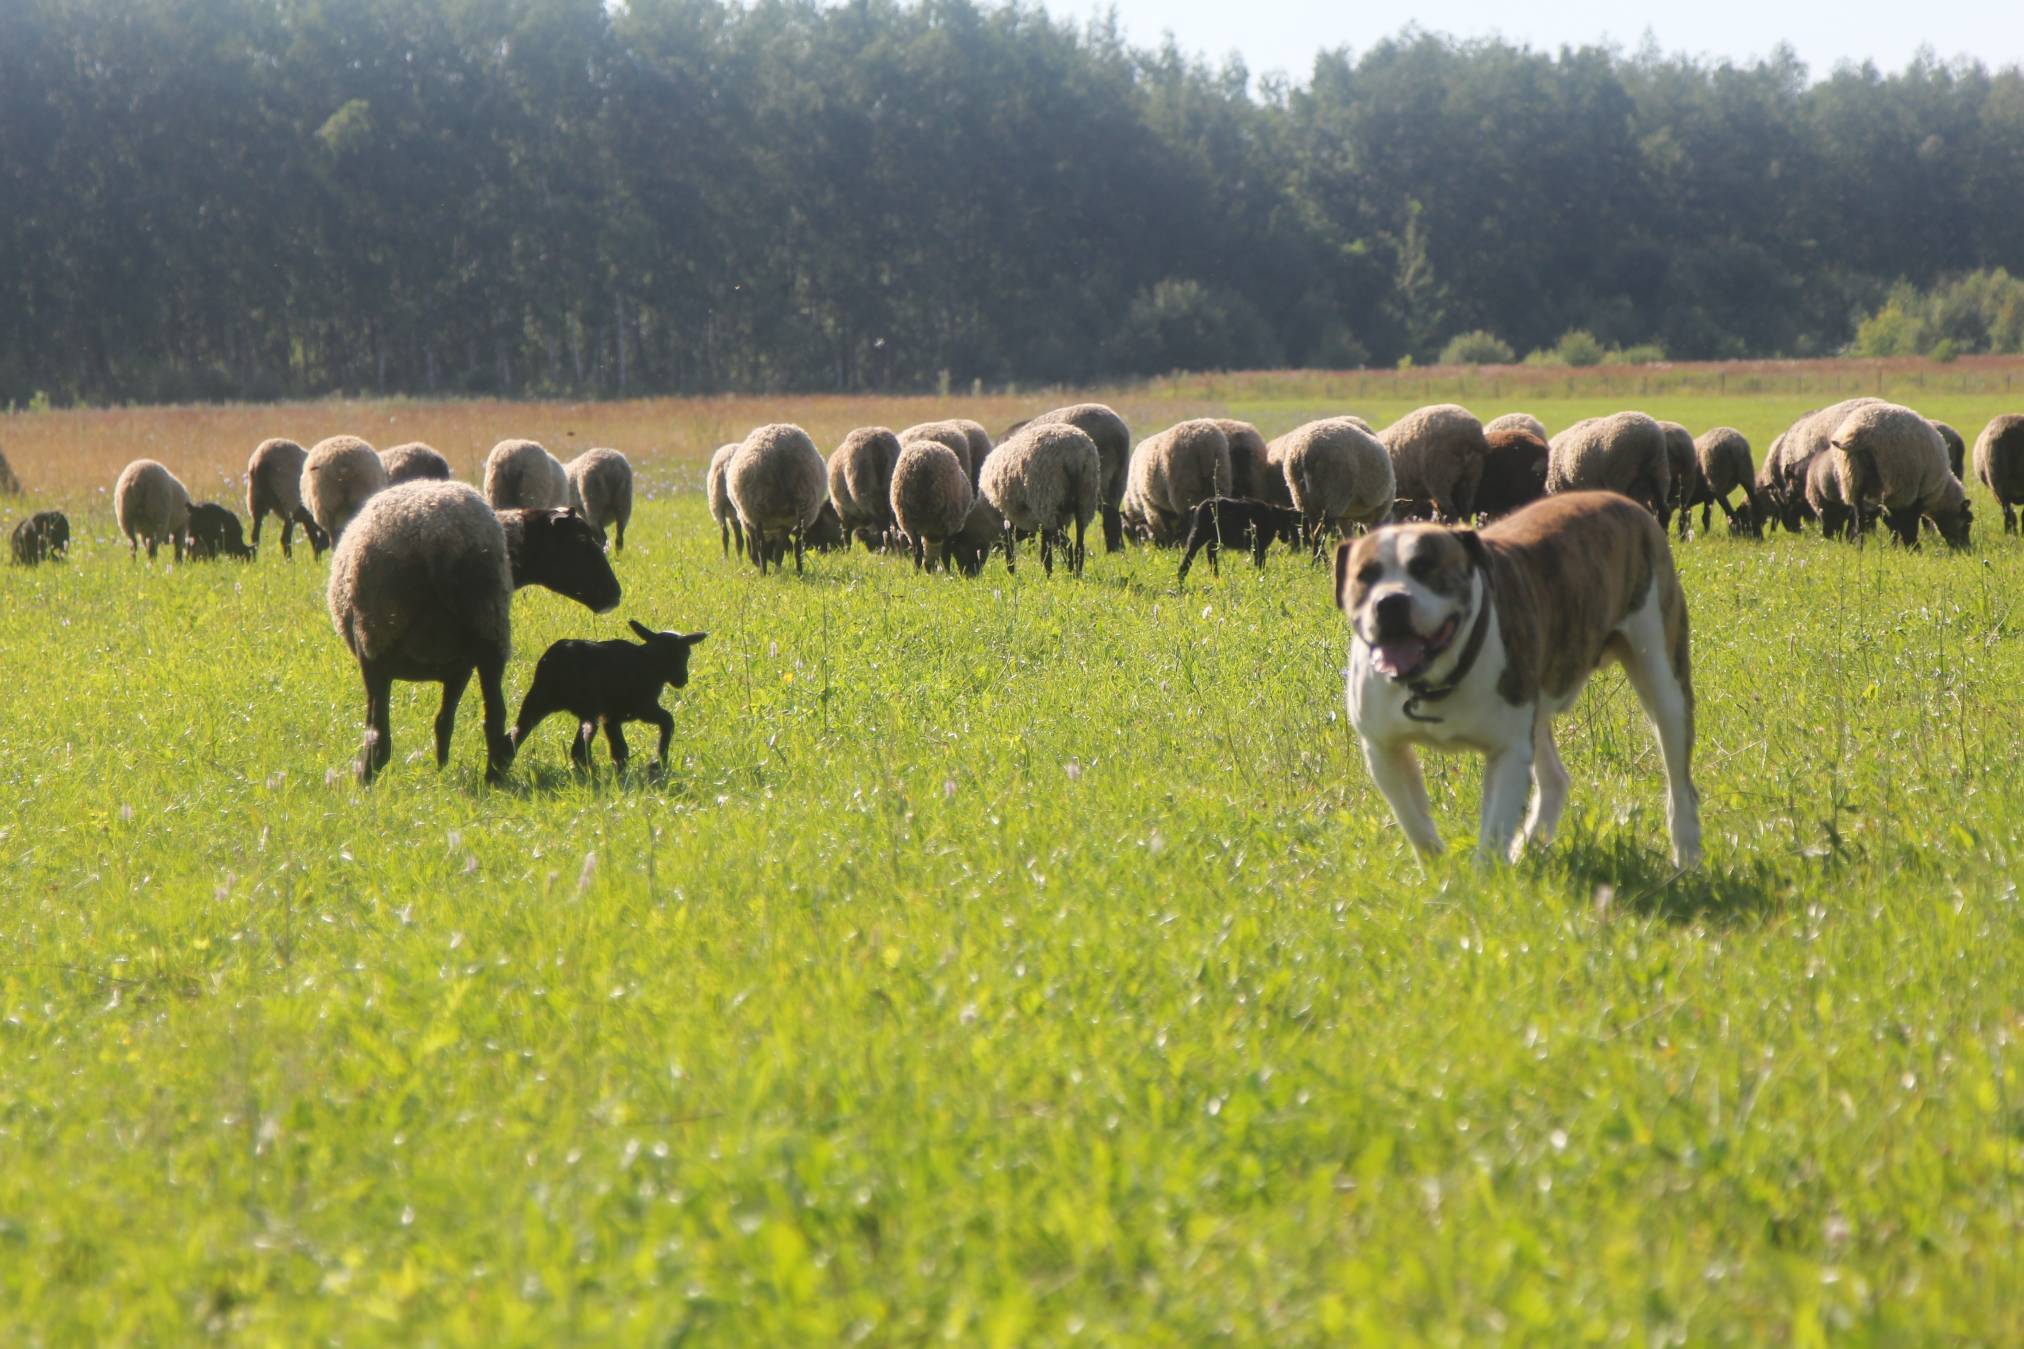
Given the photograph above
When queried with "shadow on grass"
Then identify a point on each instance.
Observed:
(1645, 883)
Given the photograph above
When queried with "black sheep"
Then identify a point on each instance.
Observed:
(608, 683)
(1514, 472)
(1238, 522)
(42, 537)
(215, 532)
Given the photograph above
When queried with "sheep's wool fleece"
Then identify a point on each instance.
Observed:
(1910, 458)
(150, 501)
(777, 479)
(1045, 477)
(414, 555)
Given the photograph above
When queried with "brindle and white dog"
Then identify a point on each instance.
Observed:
(1467, 640)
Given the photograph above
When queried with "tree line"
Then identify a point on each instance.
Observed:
(259, 198)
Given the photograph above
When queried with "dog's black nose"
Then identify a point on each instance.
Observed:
(1394, 615)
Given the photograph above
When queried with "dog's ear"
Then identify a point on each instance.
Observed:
(1342, 551)
(1472, 544)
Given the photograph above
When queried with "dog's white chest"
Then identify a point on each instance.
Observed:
(1472, 715)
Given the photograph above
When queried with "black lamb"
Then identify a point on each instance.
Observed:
(215, 532)
(41, 537)
(1238, 522)
(609, 683)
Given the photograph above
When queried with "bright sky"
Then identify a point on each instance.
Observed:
(1283, 35)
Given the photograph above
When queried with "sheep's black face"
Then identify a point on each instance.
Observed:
(565, 553)
(671, 649)
(1954, 526)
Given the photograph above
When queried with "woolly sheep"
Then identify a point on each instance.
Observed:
(717, 487)
(1781, 478)
(1999, 463)
(1682, 468)
(1175, 471)
(421, 589)
(1824, 499)
(1042, 480)
(983, 529)
(1339, 475)
(1247, 455)
(954, 434)
(414, 462)
(980, 447)
(1957, 449)
(601, 490)
(274, 486)
(1721, 465)
(1514, 470)
(1112, 438)
(1437, 456)
(861, 483)
(1623, 453)
(521, 474)
(150, 503)
(10, 486)
(42, 537)
(1516, 421)
(1891, 455)
(777, 482)
(339, 476)
(931, 498)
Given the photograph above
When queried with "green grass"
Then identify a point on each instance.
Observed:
(1006, 961)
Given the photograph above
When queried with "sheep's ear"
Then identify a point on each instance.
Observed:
(694, 637)
(646, 634)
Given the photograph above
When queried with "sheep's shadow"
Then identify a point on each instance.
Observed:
(1645, 883)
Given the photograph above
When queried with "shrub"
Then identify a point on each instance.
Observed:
(1644, 353)
(1577, 347)
(1890, 331)
(1480, 347)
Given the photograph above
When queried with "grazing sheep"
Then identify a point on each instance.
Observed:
(717, 487)
(608, 684)
(1957, 449)
(601, 490)
(1682, 467)
(980, 446)
(274, 485)
(1824, 500)
(421, 589)
(777, 482)
(1891, 455)
(1239, 522)
(215, 532)
(1999, 463)
(861, 483)
(983, 529)
(1721, 465)
(1514, 469)
(1781, 478)
(1247, 456)
(1437, 456)
(1339, 475)
(1516, 421)
(1042, 480)
(150, 503)
(1175, 471)
(1625, 452)
(1112, 438)
(10, 486)
(414, 462)
(339, 476)
(42, 537)
(931, 498)
(519, 474)
(954, 434)
(827, 534)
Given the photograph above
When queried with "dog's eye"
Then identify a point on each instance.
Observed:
(1421, 567)
(1368, 576)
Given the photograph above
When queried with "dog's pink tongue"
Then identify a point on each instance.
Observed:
(1402, 657)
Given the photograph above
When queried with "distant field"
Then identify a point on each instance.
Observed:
(1004, 961)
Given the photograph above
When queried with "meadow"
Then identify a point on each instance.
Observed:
(1002, 961)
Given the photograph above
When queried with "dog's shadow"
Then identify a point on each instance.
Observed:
(1618, 875)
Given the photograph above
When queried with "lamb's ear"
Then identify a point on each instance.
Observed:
(1472, 544)
(646, 634)
(694, 637)
(1342, 551)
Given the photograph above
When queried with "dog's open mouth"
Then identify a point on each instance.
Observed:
(1407, 657)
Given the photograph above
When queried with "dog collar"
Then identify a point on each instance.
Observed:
(1423, 692)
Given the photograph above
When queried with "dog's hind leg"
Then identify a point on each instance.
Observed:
(1397, 774)
(1549, 782)
(1507, 780)
(1669, 702)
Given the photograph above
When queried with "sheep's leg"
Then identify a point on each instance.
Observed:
(1079, 552)
(446, 717)
(920, 555)
(662, 718)
(1047, 551)
(498, 745)
(1113, 530)
(799, 534)
(258, 516)
(579, 745)
(176, 542)
(1197, 538)
(2009, 518)
(621, 535)
(1905, 524)
(614, 735)
(153, 543)
(1011, 537)
(379, 743)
